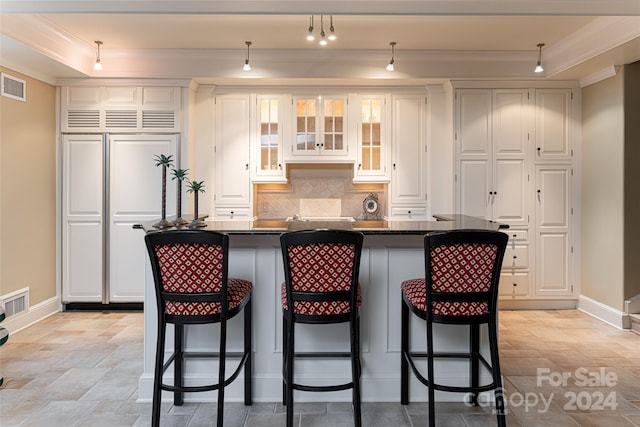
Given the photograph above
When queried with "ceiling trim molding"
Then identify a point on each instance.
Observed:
(603, 74)
(49, 41)
(336, 7)
(601, 35)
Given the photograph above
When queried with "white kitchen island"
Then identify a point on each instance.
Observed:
(392, 253)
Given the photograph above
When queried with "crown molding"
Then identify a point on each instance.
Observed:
(589, 42)
(605, 73)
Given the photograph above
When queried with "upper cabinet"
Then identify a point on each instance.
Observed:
(553, 124)
(120, 109)
(373, 139)
(272, 129)
(232, 186)
(408, 161)
(492, 132)
(320, 128)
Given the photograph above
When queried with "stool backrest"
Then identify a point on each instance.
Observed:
(462, 272)
(190, 272)
(321, 266)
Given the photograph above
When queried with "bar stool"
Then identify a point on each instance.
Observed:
(461, 288)
(190, 275)
(321, 269)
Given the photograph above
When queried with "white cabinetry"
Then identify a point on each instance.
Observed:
(408, 175)
(273, 127)
(120, 109)
(492, 132)
(110, 183)
(232, 144)
(373, 138)
(320, 128)
(554, 124)
(553, 230)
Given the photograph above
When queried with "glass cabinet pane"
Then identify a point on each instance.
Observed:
(269, 135)
(370, 135)
(306, 124)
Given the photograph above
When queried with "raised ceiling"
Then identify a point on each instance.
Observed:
(205, 40)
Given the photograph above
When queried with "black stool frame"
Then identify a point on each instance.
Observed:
(449, 238)
(179, 356)
(290, 318)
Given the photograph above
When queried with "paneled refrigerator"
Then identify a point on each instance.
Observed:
(109, 183)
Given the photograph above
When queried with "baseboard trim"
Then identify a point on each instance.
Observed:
(603, 312)
(34, 314)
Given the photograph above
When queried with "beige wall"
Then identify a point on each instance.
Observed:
(28, 191)
(632, 179)
(602, 192)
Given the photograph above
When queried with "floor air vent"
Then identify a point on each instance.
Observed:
(13, 87)
(15, 302)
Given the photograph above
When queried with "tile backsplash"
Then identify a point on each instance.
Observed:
(317, 191)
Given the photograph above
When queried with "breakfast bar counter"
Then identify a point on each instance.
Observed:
(392, 253)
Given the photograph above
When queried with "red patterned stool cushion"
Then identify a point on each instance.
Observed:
(321, 268)
(458, 268)
(197, 269)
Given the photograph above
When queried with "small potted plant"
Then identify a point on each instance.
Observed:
(195, 187)
(165, 162)
(180, 175)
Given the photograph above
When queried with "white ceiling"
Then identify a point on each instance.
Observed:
(206, 40)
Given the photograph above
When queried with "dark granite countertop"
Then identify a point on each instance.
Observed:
(384, 227)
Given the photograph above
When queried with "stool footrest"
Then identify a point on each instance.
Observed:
(337, 387)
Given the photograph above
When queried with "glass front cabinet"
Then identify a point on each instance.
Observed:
(372, 139)
(320, 126)
(271, 127)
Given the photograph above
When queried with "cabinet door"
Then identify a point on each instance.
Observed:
(474, 183)
(135, 195)
(83, 218)
(510, 192)
(553, 124)
(473, 125)
(553, 213)
(372, 140)
(511, 115)
(408, 145)
(232, 147)
(320, 126)
(269, 139)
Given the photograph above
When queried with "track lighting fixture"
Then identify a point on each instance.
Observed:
(539, 68)
(391, 65)
(332, 30)
(324, 38)
(98, 65)
(310, 36)
(247, 66)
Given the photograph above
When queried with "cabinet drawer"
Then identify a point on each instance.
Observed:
(514, 284)
(233, 213)
(517, 235)
(409, 212)
(516, 256)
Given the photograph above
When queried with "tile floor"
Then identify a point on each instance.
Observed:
(82, 368)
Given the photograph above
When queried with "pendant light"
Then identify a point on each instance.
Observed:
(391, 65)
(310, 36)
(332, 30)
(98, 65)
(539, 68)
(247, 66)
(323, 39)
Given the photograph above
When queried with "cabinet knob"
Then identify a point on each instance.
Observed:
(359, 166)
(246, 166)
(231, 212)
(394, 166)
(280, 166)
(409, 212)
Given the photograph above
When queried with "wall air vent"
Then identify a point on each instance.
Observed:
(15, 302)
(13, 87)
(83, 119)
(158, 119)
(121, 119)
